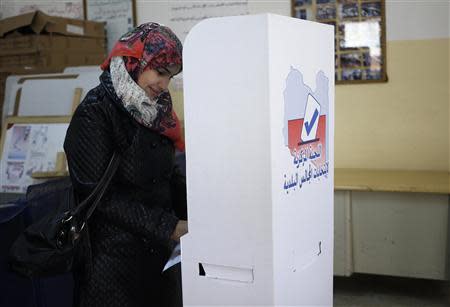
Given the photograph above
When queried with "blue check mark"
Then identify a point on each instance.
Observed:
(309, 125)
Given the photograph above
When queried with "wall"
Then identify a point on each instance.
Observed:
(401, 124)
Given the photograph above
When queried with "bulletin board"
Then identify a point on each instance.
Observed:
(29, 144)
(119, 15)
(182, 16)
(360, 36)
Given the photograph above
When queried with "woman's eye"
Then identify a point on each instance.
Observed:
(163, 73)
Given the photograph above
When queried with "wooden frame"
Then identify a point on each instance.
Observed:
(30, 120)
(78, 91)
(76, 96)
(360, 61)
(118, 19)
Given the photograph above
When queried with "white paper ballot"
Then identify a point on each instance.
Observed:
(175, 257)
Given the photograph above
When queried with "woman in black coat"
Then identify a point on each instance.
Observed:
(143, 211)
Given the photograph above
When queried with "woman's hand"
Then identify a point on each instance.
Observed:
(180, 230)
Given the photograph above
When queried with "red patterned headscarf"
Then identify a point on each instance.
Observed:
(152, 46)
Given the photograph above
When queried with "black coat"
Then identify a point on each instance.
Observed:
(130, 229)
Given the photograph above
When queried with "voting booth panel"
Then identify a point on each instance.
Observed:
(301, 73)
(228, 175)
(259, 94)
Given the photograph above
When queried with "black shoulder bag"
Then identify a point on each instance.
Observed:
(48, 247)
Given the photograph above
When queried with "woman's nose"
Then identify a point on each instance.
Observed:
(164, 82)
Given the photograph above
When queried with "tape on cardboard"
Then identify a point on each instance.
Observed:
(75, 29)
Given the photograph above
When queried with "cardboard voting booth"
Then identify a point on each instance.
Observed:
(259, 123)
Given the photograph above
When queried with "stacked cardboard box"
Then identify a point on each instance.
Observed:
(39, 43)
(36, 43)
(3, 76)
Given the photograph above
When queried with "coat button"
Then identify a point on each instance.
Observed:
(154, 145)
(154, 180)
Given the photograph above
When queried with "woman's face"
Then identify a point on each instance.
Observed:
(155, 81)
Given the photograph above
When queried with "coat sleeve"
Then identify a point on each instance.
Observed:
(89, 146)
(178, 189)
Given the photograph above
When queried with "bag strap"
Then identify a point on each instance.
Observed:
(99, 190)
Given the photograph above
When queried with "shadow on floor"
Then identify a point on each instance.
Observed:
(372, 290)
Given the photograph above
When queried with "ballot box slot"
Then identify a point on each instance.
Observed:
(223, 272)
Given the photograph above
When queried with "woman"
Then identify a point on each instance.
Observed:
(143, 212)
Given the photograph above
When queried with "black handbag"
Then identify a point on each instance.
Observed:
(48, 247)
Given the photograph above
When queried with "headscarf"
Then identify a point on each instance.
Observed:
(148, 46)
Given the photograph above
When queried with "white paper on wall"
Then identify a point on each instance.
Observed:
(183, 15)
(117, 14)
(67, 8)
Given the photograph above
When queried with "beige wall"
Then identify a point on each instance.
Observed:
(401, 124)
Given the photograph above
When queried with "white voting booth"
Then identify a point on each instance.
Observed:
(259, 123)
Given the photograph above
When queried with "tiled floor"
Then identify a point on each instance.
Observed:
(369, 290)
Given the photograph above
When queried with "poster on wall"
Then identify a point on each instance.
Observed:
(70, 9)
(183, 15)
(28, 148)
(360, 35)
(119, 15)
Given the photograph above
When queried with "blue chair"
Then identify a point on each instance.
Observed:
(16, 291)
(42, 199)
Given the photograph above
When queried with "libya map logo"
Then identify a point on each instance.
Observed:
(305, 130)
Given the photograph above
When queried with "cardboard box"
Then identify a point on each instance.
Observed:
(47, 60)
(3, 77)
(40, 23)
(38, 43)
(32, 70)
(260, 171)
